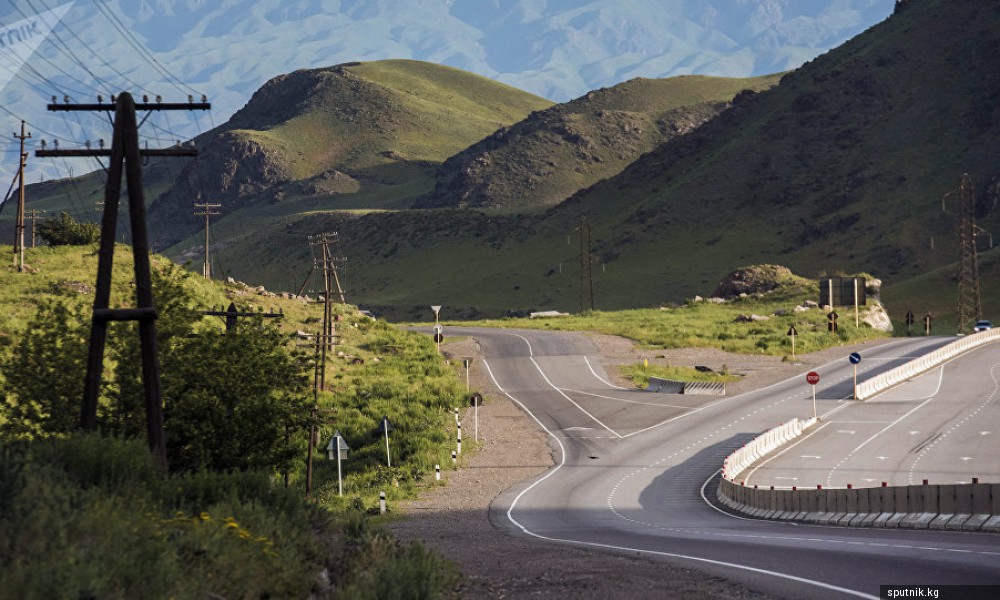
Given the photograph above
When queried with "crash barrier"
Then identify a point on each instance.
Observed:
(966, 507)
(669, 386)
(886, 380)
(735, 463)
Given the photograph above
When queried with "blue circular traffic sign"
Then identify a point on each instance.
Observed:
(855, 358)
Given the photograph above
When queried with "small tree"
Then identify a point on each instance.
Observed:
(44, 374)
(232, 400)
(67, 231)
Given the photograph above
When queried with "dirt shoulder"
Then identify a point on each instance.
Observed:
(454, 520)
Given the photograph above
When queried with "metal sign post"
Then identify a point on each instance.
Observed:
(437, 326)
(385, 426)
(812, 378)
(337, 443)
(855, 358)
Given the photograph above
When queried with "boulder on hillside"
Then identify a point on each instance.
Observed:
(755, 279)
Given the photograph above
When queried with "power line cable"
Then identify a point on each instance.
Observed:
(45, 59)
(141, 49)
(92, 52)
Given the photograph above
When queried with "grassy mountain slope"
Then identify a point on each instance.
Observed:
(839, 168)
(363, 133)
(842, 166)
(547, 157)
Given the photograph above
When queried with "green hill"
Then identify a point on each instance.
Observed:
(841, 167)
(553, 153)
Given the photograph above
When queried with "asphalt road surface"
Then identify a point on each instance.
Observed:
(943, 426)
(635, 472)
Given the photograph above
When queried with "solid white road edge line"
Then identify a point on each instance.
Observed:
(562, 461)
(599, 378)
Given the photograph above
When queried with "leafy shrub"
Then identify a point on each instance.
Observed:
(67, 231)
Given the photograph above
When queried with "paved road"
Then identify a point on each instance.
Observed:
(633, 470)
(943, 426)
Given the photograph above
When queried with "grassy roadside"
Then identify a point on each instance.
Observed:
(95, 511)
(703, 324)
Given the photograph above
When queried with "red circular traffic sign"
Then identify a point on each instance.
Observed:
(812, 377)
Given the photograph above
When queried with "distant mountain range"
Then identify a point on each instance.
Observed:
(226, 49)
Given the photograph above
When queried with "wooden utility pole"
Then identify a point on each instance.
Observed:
(125, 156)
(207, 211)
(232, 315)
(33, 215)
(586, 268)
(19, 226)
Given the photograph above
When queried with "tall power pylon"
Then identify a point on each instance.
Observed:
(969, 303)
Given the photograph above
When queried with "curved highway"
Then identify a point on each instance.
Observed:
(634, 471)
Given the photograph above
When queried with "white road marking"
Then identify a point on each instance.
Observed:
(562, 461)
(624, 400)
(531, 357)
(599, 378)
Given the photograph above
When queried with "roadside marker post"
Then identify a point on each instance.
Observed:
(437, 472)
(855, 358)
(381, 503)
(476, 399)
(458, 428)
(812, 378)
(467, 362)
(792, 332)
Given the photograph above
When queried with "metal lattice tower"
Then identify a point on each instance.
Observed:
(969, 304)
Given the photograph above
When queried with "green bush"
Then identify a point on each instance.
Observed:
(89, 516)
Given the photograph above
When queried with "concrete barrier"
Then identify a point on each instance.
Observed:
(892, 377)
(704, 388)
(946, 506)
(665, 386)
(923, 507)
(974, 507)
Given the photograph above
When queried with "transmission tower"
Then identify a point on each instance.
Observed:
(125, 156)
(969, 304)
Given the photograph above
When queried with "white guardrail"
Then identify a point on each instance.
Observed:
(763, 444)
(880, 383)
